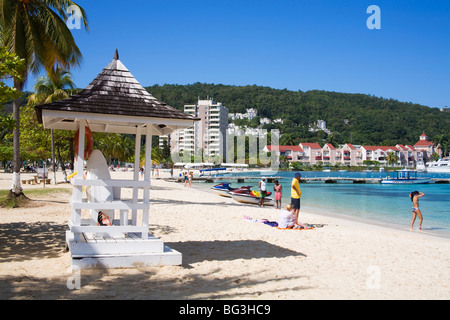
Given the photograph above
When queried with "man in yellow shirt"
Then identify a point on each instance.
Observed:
(296, 193)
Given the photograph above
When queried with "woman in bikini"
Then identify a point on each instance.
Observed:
(278, 189)
(415, 195)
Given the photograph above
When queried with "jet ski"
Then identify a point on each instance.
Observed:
(251, 196)
(223, 189)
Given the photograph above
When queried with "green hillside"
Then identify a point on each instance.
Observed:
(354, 118)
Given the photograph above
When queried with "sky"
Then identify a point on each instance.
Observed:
(293, 44)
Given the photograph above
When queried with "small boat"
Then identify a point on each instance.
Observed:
(251, 196)
(223, 189)
(440, 166)
(404, 177)
(420, 166)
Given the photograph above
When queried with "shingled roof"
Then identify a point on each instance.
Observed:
(115, 91)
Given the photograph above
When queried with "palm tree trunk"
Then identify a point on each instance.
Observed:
(16, 187)
(53, 156)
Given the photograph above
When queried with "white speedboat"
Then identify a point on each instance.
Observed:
(420, 166)
(440, 166)
(404, 177)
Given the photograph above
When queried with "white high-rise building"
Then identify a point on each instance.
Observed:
(208, 134)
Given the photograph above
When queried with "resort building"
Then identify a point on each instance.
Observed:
(291, 153)
(425, 148)
(207, 135)
(312, 153)
(355, 155)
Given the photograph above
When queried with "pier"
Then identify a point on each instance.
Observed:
(271, 179)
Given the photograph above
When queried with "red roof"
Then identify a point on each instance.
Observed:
(311, 145)
(383, 148)
(330, 146)
(423, 143)
(285, 148)
(350, 145)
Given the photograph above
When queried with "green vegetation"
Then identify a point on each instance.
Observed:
(36, 32)
(353, 118)
(8, 201)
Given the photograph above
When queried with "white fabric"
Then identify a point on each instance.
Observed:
(286, 219)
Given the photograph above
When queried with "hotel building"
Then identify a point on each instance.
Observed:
(208, 134)
(348, 154)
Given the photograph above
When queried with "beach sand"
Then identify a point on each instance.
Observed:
(224, 256)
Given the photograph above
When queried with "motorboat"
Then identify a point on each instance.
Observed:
(440, 166)
(251, 196)
(420, 166)
(404, 177)
(223, 189)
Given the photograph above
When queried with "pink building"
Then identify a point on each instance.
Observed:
(348, 154)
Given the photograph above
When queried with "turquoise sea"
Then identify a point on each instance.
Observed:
(387, 205)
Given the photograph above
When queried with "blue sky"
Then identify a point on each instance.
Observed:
(293, 44)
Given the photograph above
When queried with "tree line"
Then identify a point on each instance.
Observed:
(352, 118)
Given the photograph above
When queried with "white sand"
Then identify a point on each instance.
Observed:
(224, 256)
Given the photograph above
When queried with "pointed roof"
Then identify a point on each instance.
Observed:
(115, 91)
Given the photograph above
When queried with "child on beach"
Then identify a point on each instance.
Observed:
(277, 189)
(415, 195)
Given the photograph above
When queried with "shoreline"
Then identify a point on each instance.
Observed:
(352, 219)
(224, 255)
(5, 179)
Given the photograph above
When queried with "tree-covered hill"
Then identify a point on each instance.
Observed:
(354, 118)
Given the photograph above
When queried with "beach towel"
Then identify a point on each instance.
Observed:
(275, 224)
(265, 221)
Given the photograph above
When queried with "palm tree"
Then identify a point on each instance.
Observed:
(57, 85)
(287, 139)
(437, 143)
(392, 157)
(36, 31)
(445, 148)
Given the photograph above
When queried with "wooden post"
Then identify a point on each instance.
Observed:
(146, 189)
(77, 190)
(137, 155)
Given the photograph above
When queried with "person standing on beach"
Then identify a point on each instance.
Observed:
(415, 195)
(296, 193)
(263, 191)
(186, 178)
(190, 177)
(278, 190)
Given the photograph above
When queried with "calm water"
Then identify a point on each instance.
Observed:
(374, 203)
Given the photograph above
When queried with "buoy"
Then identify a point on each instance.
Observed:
(89, 142)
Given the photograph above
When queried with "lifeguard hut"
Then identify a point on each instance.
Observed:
(114, 102)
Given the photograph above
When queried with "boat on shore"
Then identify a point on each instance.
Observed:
(223, 189)
(440, 166)
(251, 196)
(404, 177)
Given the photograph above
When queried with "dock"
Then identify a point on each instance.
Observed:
(271, 179)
